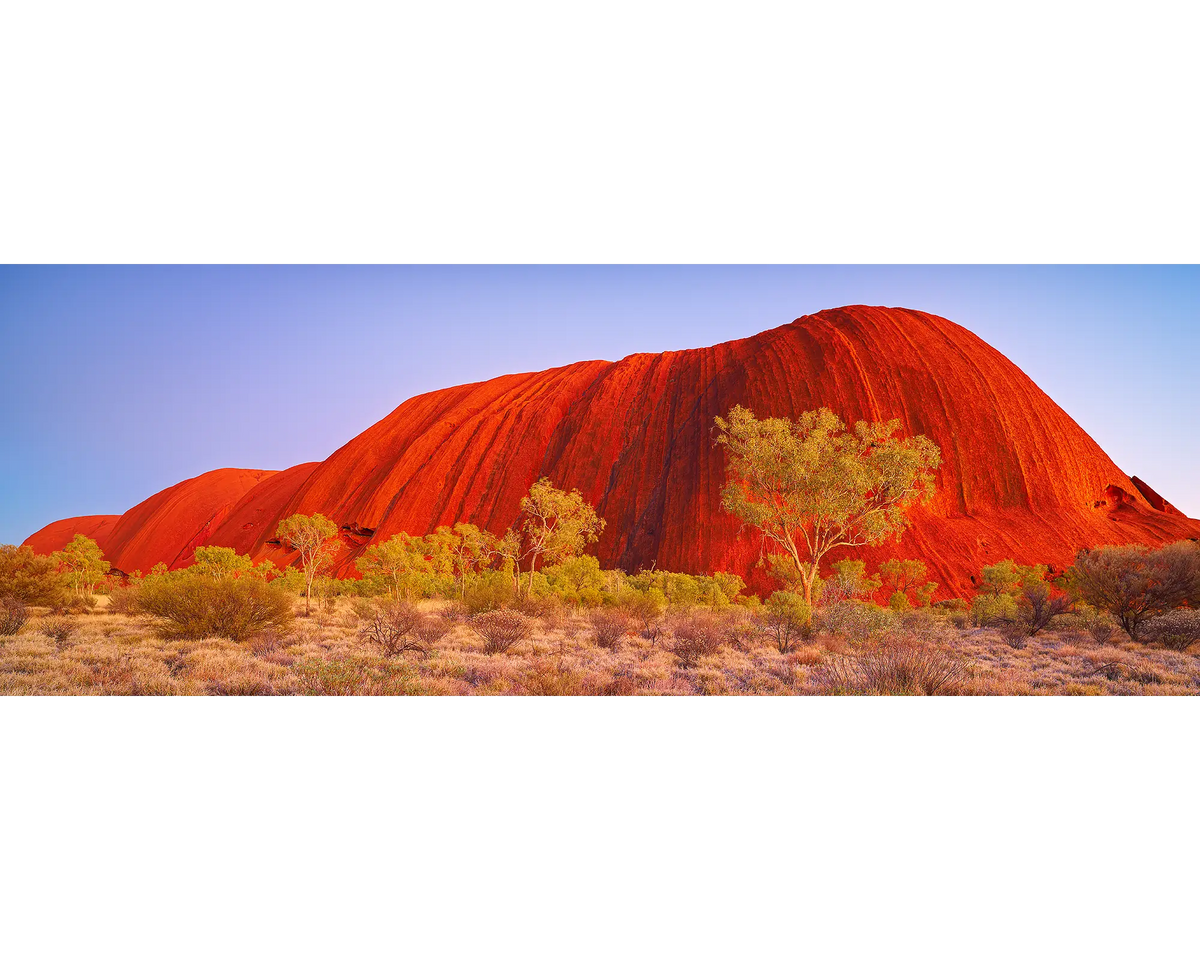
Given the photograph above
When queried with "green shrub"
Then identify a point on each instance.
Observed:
(193, 607)
(856, 620)
(898, 603)
(489, 590)
(989, 609)
(646, 609)
(786, 619)
(29, 578)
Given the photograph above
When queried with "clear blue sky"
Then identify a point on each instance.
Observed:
(120, 381)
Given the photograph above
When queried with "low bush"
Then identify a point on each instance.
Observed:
(895, 669)
(1175, 630)
(698, 634)
(123, 600)
(431, 628)
(989, 609)
(785, 620)
(739, 628)
(192, 607)
(501, 629)
(76, 604)
(646, 609)
(392, 628)
(488, 591)
(57, 628)
(857, 621)
(13, 616)
(609, 626)
(1100, 626)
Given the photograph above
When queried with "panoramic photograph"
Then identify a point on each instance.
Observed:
(601, 481)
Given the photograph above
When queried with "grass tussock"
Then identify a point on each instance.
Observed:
(438, 648)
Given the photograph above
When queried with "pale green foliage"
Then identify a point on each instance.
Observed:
(470, 550)
(315, 539)
(574, 575)
(898, 602)
(218, 563)
(849, 582)
(1007, 576)
(685, 590)
(82, 563)
(811, 486)
(857, 620)
(404, 563)
(991, 608)
(907, 578)
(786, 618)
(553, 526)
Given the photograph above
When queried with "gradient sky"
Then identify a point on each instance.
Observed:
(120, 381)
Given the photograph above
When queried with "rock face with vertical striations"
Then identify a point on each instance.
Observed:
(1019, 479)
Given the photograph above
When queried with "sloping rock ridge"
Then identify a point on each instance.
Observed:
(1020, 478)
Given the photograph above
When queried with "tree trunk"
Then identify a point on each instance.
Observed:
(808, 579)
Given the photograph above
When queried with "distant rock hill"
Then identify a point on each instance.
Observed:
(1020, 478)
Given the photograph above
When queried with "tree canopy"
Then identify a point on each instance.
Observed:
(315, 539)
(810, 485)
(82, 563)
(554, 525)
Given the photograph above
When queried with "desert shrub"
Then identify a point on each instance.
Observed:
(488, 591)
(545, 607)
(192, 607)
(849, 581)
(786, 619)
(609, 626)
(697, 634)
(76, 603)
(738, 628)
(646, 610)
(59, 629)
(857, 621)
(926, 626)
(32, 579)
(1175, 630)
(454, 612)
(989, 609)
(431, 628)
(392, 628)
(1135, 584)
(1098, 624)
(1016, 632)
(123, 600)
(898, 603)
(13, 616)
(591, 598)
(895, 669)
(953, 605)
(1039, 605)
(501, 629)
